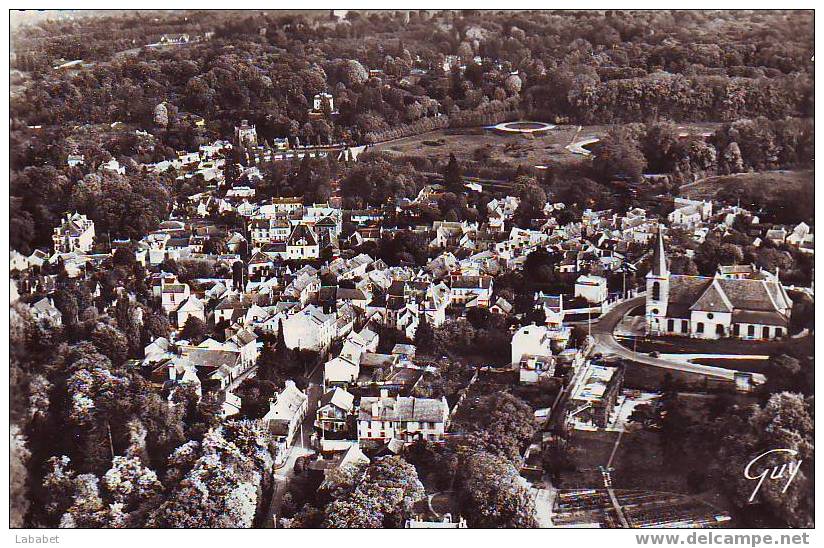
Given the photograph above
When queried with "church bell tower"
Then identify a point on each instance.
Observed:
(658, 279)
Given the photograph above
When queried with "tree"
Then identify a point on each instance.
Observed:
(785, 422)
(784, 374)
(111, 342)
(504, 425)
(424, 336)
(492, 494)
(194, 330)
(453, 175)
(218, 489)
(353, 73)
(380, 497)
(618, 156)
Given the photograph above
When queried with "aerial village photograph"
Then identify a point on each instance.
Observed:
(411, 269)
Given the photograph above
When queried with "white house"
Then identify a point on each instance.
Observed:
(320, 98)
(309, 329)
(403, 418)
(591, 288)
(334, 409)
(75, 234)
(285, 416)
(45, 313)
(302, 244)
(245, 342)
(191, 307)
(172, 295)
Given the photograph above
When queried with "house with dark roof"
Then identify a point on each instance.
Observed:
(302, 243)
(713, 307)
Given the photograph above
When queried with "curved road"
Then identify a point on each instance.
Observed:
(608, 345)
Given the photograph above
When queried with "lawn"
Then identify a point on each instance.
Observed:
(590, 450)
(546, 148)
(513, 149)
(686, 345)
(648, 377)
(769, 181)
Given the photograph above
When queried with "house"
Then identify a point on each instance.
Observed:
(341, 370)
(531, 340)
(591, 288)
(801, 237)
(17, 261)
(713, 307)
(532, 368)
(309, 329)
(334, 409)
(172, 295)
(336, 454)
(245, 342)
(75, 160)
(246, 134)
(553, 307)
(353, 296)
(285, 415)
(75, 234)
(595, 394)
(191, 307)
(320, 98)
(302, 244)
(45, 313)
(471, 289)
(690, 213)
(501, 307)
(445, 523)
(381, 419)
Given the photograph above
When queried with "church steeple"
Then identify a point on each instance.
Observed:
(659, 257)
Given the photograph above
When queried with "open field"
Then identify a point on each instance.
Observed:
(591, 450)
(648, 377)
(514, 149)
(770, 181)
(544, 149)
(686, 345)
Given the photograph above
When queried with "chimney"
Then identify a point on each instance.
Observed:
(376, 408)
(384, 393)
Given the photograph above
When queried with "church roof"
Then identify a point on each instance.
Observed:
(706, 294)
(713, 299)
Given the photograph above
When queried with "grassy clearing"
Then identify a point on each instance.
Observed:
(771, 181)
(513, 149)
(590, 450)
(686, 345)
(648, 377)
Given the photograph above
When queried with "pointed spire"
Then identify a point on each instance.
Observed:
(659, 256)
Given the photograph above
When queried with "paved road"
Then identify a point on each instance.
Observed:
(608, 345)
(302, 447)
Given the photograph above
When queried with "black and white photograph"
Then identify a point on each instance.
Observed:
(415, 267)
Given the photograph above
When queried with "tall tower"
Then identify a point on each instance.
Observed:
(658, 279)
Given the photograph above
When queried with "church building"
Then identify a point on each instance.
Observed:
(713, 307)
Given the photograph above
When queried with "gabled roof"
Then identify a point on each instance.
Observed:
(338, 397)
(302, 233)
